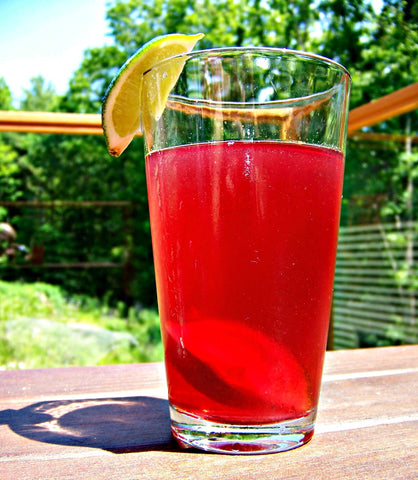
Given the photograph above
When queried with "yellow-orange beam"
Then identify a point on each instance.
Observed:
(392, 105)
(383, 137)
(397, 103)
(49, 122)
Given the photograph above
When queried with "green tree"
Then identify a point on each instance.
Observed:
(39, 97)
(379, 50)
(345, 29)
(5, 95)
(9, 170)
(384, 174)
(291, 24)
(388, 62)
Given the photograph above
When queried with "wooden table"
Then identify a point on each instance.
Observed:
(112, 422)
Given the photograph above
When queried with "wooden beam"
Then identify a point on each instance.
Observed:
(51, 122)
(382, 137)
(67, 203)
(397, 103)
(392, 105)
(63, 265)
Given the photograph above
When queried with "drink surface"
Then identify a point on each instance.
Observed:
(244, 238)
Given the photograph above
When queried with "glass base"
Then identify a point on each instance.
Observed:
(193, 432)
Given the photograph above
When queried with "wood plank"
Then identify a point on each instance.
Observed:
(65, 265)
(353, 362)
(51, 129)
(67, 203)
(51, 122)
(112, 422)
(382, 137)
(396, 103)
(336, 455)
(52, 383)
(131, 378)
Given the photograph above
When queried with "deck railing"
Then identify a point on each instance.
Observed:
(394, 104)
(376, 283)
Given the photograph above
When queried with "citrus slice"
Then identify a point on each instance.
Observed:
(121, 110)
(234, 370)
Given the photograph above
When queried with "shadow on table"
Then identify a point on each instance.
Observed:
(118, 425)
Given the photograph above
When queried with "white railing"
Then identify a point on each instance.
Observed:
(376, 284)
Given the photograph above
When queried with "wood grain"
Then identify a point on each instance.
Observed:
(112, 422)
(396, 103)
(392, 105)
(51, 122)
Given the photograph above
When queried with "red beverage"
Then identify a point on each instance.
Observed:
(244, 238)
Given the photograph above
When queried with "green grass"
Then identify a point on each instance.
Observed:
(41, 327)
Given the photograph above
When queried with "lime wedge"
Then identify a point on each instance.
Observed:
(121, 110)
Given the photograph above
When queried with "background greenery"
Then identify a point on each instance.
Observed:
(380, 49)
(42, 327)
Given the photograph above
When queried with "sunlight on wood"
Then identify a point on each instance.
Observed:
(49, 122)
(397, 103)
(392, 105)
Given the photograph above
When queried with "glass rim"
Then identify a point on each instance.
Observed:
(220, 51)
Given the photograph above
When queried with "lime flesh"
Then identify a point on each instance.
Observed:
(121, 111)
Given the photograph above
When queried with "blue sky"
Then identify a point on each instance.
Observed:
(47, 37)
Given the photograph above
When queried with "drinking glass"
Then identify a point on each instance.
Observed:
(244, 163)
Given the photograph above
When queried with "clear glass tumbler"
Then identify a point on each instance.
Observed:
(244, 162)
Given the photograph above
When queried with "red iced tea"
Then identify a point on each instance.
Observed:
(244, 238)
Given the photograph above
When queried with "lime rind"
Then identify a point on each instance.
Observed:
(121, 111)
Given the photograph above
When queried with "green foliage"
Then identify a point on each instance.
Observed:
(9, 169)
(346, 29)
(225, 22)
(40, 97)
(89, 82)
(40, 326)
(380, 50)
(380, 176)
(5, 96)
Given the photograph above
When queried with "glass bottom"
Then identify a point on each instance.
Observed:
(193, 432)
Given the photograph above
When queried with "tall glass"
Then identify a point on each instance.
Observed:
(244, 162)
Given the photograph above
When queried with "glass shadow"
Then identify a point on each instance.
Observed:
(118, 424)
